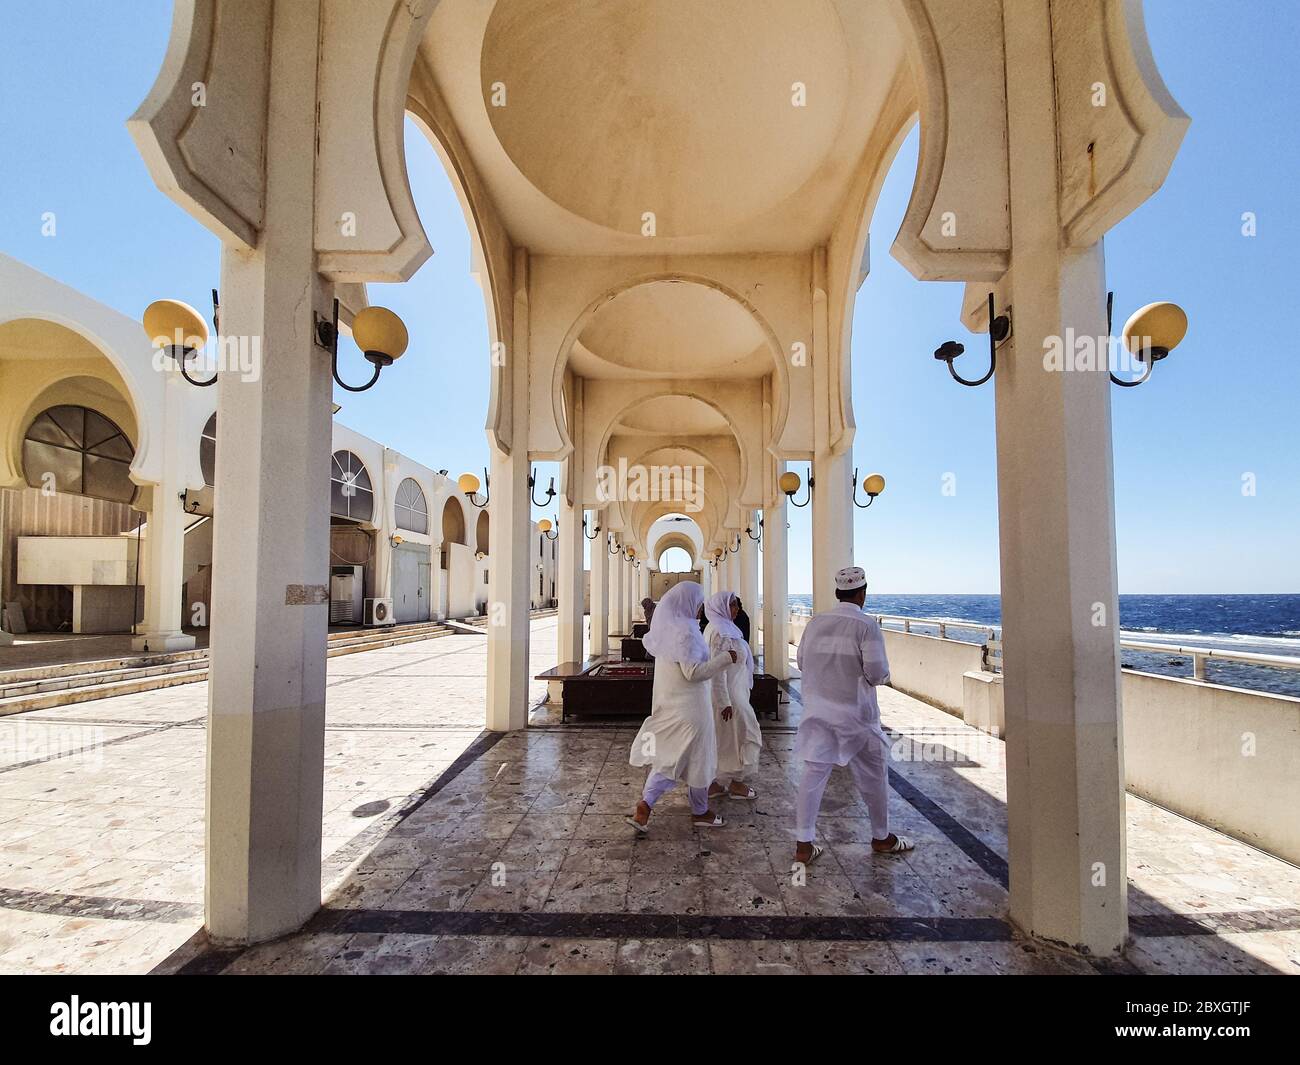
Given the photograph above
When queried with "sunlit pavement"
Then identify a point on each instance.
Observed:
(448, 849)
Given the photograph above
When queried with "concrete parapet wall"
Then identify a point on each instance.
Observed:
(931, 668)
(1225, 757)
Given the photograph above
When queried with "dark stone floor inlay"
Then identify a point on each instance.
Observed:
(974, 848)
(661, 926)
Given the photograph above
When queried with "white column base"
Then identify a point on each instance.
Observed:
(158, 642)
(6, 639)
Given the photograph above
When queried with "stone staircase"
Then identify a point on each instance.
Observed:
(43, 687)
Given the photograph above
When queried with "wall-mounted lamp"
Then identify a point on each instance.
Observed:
(716, 560)
(378, 332)
(584, 529)
(999, 330)
(1151, 333)
(873, 486)
(550, 492)
(733, 550)
(548, 529)
(469, 484)
(397, 540)
(178, 330)
(612, 545)
(789, 483)
(186, 505)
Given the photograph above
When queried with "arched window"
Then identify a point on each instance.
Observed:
(351, 493)
(82, 451)
(412, 511)
(208, 452)
(481, 533)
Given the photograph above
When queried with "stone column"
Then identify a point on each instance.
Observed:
(629, 590)
(385, 520)
(437, 608)
(1065, 775)
(511, 579)
(776, 605)
(749, 577)
(270, 613)
(164, 543)
(599, 641)
(569, 582)
(616, 586)
(832, 507)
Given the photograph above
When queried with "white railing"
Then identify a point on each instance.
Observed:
(990, 632)
(1198, 655)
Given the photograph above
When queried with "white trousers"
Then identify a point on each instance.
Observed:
(656, 785)
(871, 775)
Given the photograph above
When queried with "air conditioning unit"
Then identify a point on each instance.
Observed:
(379, 612)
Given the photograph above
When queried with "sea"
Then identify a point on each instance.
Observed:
(1259, 624)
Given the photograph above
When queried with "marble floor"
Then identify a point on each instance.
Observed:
(448, 849)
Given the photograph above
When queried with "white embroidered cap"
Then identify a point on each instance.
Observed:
(850, 578)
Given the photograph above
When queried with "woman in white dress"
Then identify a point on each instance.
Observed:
(739, 737)
(678, 741)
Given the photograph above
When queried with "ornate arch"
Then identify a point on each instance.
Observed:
(780, 369)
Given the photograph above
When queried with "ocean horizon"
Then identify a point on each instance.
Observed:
(1253, 623)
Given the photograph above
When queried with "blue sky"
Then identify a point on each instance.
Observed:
(1224, 405)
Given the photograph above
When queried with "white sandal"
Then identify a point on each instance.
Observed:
(817, 852)
(717, 822)
(641, 830)
(901, 844)
(750, 794)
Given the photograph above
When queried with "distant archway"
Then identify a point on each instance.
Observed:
(453, 523)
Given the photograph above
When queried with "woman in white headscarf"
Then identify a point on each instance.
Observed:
(678, 741)
(739, 737)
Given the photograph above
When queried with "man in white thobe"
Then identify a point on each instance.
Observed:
(842, 660)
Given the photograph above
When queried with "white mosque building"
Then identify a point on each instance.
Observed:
(107, 512)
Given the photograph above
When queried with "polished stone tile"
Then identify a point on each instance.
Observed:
(746, 894)
(852, 959)
(738, 957)
(588, 893)
(662, 957)
(569, 957)
(665, 893)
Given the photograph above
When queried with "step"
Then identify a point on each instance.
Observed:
(374, 643)
(413, 627)
(18, 695)
(68, 696)
(96, 676)
(97, 665)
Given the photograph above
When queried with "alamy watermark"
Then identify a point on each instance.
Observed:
(635, 483)
(241, 355)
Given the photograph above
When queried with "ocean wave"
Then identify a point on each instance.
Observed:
(1214, 639)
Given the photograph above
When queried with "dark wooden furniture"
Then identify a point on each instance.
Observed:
(607, 687)
(765, 697)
